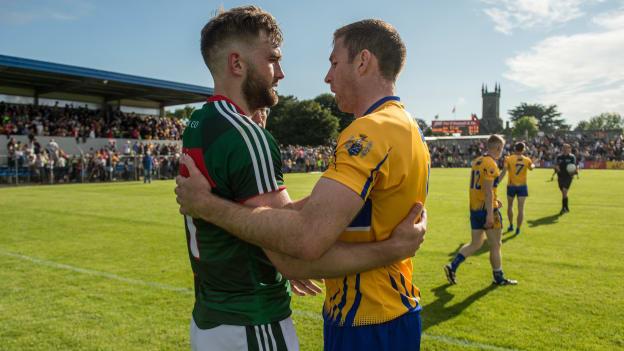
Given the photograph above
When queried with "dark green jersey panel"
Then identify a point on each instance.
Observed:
(235, 283)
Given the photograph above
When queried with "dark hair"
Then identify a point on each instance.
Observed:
(240, 23)
(519, 147)
(378, 37)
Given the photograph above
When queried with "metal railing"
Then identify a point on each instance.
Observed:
(85, 169)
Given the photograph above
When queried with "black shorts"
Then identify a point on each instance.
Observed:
(564, 182)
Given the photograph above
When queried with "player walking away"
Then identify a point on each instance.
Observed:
(516, 166)
(485, 217)
(565, 167)
(380, 170)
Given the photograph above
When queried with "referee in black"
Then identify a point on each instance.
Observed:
(564, 177)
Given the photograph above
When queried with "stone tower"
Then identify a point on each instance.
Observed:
(490, 118)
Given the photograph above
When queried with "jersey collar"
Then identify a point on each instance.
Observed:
(381, 102)
(215, 98)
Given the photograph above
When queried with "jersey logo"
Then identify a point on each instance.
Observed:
(358, 146)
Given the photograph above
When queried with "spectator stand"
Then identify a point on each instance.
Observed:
(83, 109)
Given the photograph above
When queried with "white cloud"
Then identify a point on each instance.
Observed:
(508, 15)
(582, 73)
(25, 12)
(610, 20)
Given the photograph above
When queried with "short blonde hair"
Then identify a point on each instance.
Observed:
(495, 140)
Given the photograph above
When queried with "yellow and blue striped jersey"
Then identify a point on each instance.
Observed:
(483, 168)
(382, 156)
(517, 166)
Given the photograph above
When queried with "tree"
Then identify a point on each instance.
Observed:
(548, 118)
(423, 126)
(582, 125)
(526, 126)
(329, 102)
(279, 117)
(604, 121)
(302, 122)
(182, 113)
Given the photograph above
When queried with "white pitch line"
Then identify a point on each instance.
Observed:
(307, 314)
(112, 276)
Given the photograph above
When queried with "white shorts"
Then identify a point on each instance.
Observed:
(278, 336)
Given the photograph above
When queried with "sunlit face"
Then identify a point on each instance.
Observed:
(341, 77)
(263, 74)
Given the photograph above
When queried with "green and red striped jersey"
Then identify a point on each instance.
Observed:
(235, 283)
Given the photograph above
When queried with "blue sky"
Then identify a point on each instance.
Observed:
(564, 52)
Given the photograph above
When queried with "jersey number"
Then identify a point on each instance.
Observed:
(474, 180)
(192, 236)
(519, 167)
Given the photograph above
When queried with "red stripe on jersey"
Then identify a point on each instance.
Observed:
(198, 157)
(221, 97)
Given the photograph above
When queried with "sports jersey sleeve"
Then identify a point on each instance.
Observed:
(254, 164)
(360, 158)
(489, 169)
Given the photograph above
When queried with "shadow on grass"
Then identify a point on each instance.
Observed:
(553, 219)
(485, 248)
(438, 312)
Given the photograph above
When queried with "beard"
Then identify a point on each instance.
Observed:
(257, 91)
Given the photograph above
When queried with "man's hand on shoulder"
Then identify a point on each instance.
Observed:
(194, 191)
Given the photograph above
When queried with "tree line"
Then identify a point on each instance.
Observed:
(529, 119)
(318, 121)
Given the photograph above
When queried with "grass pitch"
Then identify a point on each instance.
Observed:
(105, 267)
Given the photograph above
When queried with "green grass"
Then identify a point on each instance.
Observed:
(105, 267)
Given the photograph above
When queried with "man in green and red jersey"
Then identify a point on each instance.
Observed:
(241, 300)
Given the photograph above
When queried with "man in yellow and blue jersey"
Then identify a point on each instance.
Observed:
(516, 168)
(485, 217)
(242, 291)
(380, 170)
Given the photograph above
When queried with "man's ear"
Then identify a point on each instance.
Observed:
(236, 66)
(364, 61)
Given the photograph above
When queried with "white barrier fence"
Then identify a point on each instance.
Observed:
(85, 169)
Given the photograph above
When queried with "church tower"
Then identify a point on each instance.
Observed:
(490, 118)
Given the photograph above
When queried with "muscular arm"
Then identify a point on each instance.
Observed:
(296, 205)
(343, 258)
(305, 234)
(488, 188)
(502, 175)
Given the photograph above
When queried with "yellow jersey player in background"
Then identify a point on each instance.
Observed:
(516, 167)
(485, 217)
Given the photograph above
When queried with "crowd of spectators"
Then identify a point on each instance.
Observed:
(125, 162)
(297, 158)
(50, 164)
(82, 123)
(596, 146)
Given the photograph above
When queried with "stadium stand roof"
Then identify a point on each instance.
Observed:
(47, 77)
